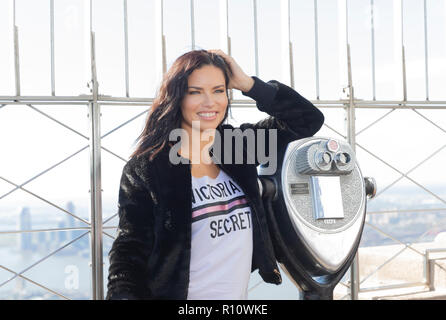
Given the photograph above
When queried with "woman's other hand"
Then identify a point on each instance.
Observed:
(239, 80)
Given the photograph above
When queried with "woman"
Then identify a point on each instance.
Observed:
(196, 228)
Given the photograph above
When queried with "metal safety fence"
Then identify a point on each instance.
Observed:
(96, 226)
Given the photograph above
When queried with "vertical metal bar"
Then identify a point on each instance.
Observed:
(426, 270)
(292, 66)
(290, 48)
(95, 184)
(53, 81)
(256, 44)
(346, 22)
(285, 41)
(350, 117)
(16, 53)
(224, 24)
(13, 13)
(126, 45)
(16, 61)
(316, 48)
(164, 60)
(91, 16)
(160, 44)
(343, 38)
(227, 29)
(95, 176)
(164, 54)
(372, 25)
(403, 53)
(429, 271)
(354, 268)
(431, 267)
(351, 138)
(192, 23)
(404, 74)
(92, 202)
(90, 108)
(224, 35)
(354, 278)
(425, 51)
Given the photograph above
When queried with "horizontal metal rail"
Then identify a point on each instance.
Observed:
(104, 99)
(393, 286)
(407, 211)
(52, 229)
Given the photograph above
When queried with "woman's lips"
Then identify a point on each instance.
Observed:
(207, 115)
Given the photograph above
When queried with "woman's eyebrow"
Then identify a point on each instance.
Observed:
(221, 85)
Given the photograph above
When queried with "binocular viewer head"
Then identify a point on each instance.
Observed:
(316, 206)
(325, 158)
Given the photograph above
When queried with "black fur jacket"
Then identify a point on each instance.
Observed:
(150, 256)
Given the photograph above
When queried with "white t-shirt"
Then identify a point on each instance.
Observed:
(222, 242)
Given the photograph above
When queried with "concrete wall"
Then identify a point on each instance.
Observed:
(406, 267)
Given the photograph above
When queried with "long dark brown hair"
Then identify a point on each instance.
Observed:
(165, 114)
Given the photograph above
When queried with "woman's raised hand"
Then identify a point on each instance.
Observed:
(239, 80)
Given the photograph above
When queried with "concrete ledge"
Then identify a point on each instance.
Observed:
(396, 272)
(406, 267)
(428, 295)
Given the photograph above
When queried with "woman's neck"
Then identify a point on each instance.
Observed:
(195, 145)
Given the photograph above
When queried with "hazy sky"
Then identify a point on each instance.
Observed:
(34, 142)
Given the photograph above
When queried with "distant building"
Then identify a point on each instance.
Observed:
(62, 235)
(24, 223)
(75, 223)
(42, 241)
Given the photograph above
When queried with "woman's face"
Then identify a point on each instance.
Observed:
(205, 99)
